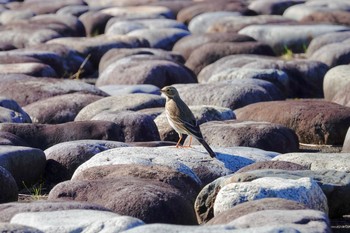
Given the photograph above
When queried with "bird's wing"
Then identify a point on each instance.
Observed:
(187, 118)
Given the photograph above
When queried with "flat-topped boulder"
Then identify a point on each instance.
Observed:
(26, 89)
(314, 121)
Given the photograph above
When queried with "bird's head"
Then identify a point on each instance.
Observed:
(170, 91)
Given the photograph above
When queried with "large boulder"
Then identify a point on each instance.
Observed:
(124, 102)
(262, 135)
(25, 164)
(151, 201)
(64, 158)
(26, 89)
(9, 190)
(59, 109)
(233, 95)
(145, 69)
(45, 135)
(314, 121)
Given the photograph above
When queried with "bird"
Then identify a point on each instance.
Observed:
(181, 118)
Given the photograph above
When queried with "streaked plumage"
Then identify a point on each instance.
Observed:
(181, 118)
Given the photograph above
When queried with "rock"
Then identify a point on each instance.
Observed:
(11, 16)
(31, 69)
(200, 23)
(10, 139)
(314, 121)
(145, 69)
(305, 76)
(318, 161)
(187, 14)
(131, 102)
(9, 190)
(65, 62)
(272, 7)
(346, 144)
(64, 158)
(75, 10)
(25, 89)
(275, 76)
(326, 39)
(68, 25)
(233, 95)
(93, 48)
(202, 114)
(334, 184)
(59, 109)
(188, 44)
(236, 23)
(8, 115)
(281, 165)
(76, 220)
(23, 35)
(262, 135)
(333, 54)
(120, 27)
(8, 227)
(331, 17)
(184, 183)
(94, 22)
(303, 220)
(114, 55)
(46, 7)
(194, 162)
(335, 80)
(10, 104)
(303, 190)
(130, 89)
(211, 52)
(138, 12)
(25, 164)
(152, 201)
(254, 206)
(315, 226)
(136, 126)
(44, 136)
(300, 11)
(342, 97)
(8, 210)
(293, 37)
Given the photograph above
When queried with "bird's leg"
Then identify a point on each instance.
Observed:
(178, 142)
(189, 145)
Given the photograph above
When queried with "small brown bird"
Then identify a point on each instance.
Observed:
(182, 119)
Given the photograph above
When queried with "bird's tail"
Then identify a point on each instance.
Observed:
(207, 147)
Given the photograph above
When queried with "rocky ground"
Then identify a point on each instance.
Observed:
(84, 141)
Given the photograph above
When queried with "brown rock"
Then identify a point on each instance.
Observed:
(149, 200)
(282, 165)
(314, 121)
(59, 109)
(188, 44)
(161, 173)
(336, 17)
(233, 95)
(145, 69)
(26, 89)
(43, 135)
(262, 135)
(187, 14)
(136, 127)
(211, 52)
